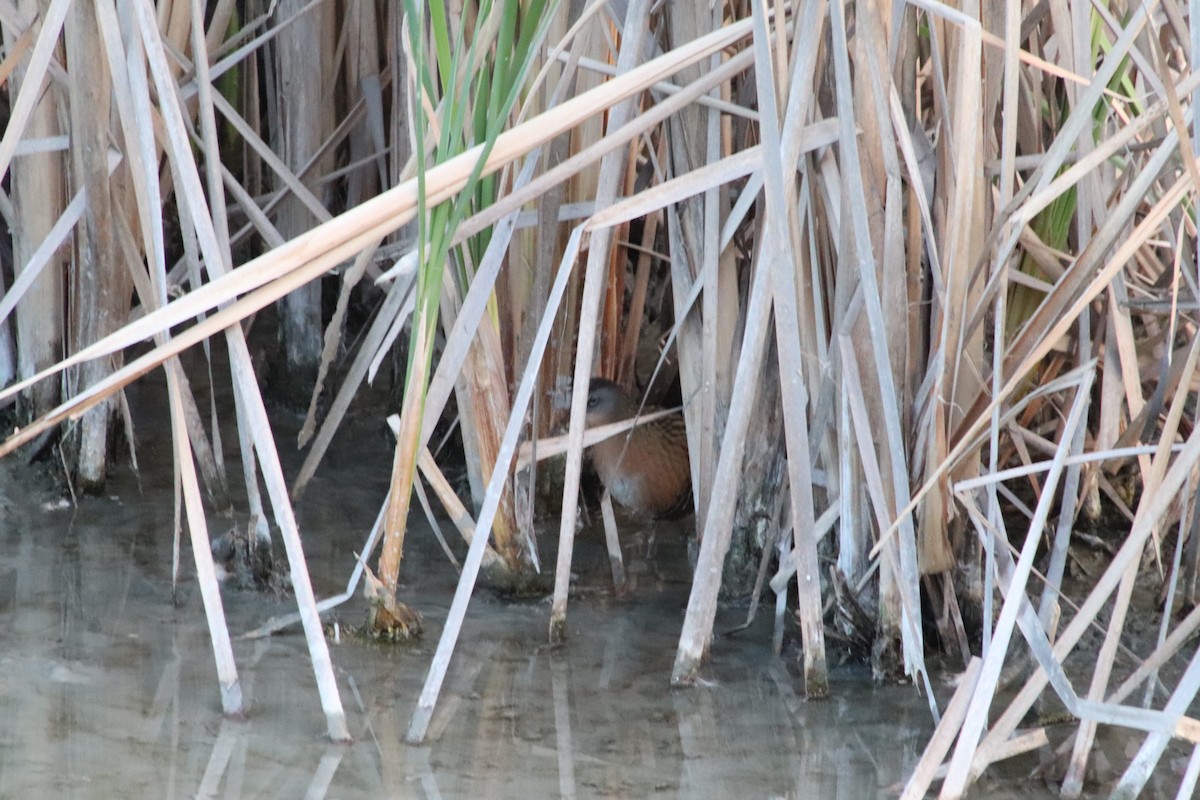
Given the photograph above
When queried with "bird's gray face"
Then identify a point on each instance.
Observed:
(607, 402)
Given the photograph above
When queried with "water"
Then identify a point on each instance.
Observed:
(108, 689)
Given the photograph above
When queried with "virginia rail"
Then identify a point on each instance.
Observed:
(651, 474)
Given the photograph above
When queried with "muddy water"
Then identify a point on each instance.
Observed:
(107, 684)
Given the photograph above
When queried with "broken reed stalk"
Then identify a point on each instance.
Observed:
(395, 308)
(1152, 508)
(1015, 600)
(718, 528)
(278, 623)
(1073, 781)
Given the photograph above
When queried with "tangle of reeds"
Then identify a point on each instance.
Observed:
(925, 275)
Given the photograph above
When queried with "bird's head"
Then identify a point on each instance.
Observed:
(607, 402)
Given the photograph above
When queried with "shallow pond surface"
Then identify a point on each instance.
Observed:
(108, 689)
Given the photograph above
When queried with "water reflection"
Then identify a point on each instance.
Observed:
(107, 687)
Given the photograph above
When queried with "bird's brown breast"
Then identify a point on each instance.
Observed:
(652, 473)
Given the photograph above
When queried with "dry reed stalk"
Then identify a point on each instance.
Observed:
(98, 289)
(36, 180)
(613, 543)
(627, 357)
(718, 523)
(332, 343)
(939, 744)
(776, 247)
(305, 119)
(28, 222)
(15, 51)
(458, 512)
(30, 89)
(552, 446)
(693, 138)
(396, 308)
(227, 677)
(483, 402)
(458, 608)
(390, 614)
(255, 420)
(212, 469)
(884, 393)
(132, 102)
(613, 301)
(1073, 781)
(1153, 507)
(612, 167)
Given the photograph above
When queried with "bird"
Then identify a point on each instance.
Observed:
(645, 469)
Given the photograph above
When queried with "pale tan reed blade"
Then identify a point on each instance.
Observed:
(613, 542)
